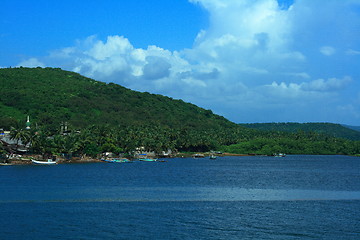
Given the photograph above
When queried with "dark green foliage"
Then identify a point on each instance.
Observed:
(331, 129)
(298, 143)
(51, 96)
(107, 117)
(356, 128)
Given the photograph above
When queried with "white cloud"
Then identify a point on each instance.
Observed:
(114, 46)
(303, 75)
(332, 84)
(194, 82)
(318, 85)
(253, 55)
(305, 95)
(249, 24)
(283, 90)
(327, 50)
(156, 68)
(352, 52)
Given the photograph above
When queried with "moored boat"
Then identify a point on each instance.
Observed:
(6, 164)
(148, 159)
(279, 155)
(212, 157)
(116, 160)
(48, 162)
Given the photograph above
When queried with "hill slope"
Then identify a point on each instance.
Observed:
(334, 130)
(356, 128)
(51, 96)
(112, 118)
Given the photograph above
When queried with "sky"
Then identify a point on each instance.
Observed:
(247, 60)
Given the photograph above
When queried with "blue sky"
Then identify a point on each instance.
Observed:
(248, 60)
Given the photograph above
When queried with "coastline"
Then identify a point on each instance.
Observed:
(27, 160)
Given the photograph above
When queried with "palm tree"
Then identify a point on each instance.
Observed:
(42, 144)
(20, 135)
(68, 144)
(85, 139)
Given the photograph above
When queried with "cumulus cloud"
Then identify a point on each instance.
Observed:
(316, 86)
(156, 68)
(332, 84)
(253, 54)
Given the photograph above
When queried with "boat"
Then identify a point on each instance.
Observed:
(212, 157)
(148, 159)
(279, 155)
(6, 164)
(198, 155)
(144, 158)
(48, 162)
(116, 160)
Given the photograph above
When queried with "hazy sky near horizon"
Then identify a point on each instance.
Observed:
(248, 60)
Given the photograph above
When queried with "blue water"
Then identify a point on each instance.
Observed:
(296, 197)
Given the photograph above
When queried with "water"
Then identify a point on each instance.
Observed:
(296, 197)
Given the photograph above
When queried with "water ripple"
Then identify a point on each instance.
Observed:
(181, 194)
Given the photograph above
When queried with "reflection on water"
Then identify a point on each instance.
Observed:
(162, 194)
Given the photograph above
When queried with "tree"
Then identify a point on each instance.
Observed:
(20, 135)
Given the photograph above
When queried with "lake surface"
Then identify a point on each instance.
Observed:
(296, 197)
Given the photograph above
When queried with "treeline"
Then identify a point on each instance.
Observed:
(94, 140)
(295, 143)
(334, 130)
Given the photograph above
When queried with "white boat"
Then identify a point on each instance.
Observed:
(279, 155)
(148, 159)
(5, 164)
(48, 162)
(212, 156)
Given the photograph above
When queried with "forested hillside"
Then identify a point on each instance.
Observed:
(101, 117)
(331, 129)
(356, 128)
(51, 96)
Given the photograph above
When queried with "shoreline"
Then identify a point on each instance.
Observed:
(27, 160)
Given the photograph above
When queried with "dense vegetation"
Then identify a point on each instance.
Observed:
(295, 143)
(107, 117)
(334, 130)
(51, 96)
(356, 128)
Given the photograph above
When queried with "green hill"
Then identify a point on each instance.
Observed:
(105, 117)
(331, 129)
(51, 96)
(356, 128)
